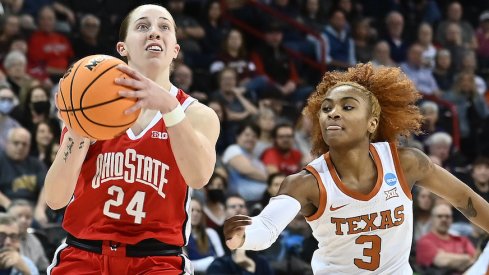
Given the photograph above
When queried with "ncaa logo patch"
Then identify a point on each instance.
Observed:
(390, 179)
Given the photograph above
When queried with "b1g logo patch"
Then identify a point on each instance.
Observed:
(390, 179)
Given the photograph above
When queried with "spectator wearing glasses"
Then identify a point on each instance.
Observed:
(12, 262)
(282, 157)
(30, 246)
(238, 261)
(440, 251)
(22, 176)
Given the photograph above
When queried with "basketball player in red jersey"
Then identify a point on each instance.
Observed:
(128, 198)
(356, 195)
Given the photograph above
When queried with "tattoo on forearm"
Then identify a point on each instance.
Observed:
(68, 148)
(81, 145)
(469, 211)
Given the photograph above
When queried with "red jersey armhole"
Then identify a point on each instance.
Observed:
(322, 195)
(399, 172)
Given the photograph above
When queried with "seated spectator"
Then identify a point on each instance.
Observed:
(238, 107)
(312, 15)
(381, 55)
(422, 77)
(302, 137)
(266, 122)
(440, 145)
(87, 41)
(189, 31)
(226, 135)
(9, 240)
(48, 50)
(247, 174)
(394, 22)
(215, 28)
(183, 78)
(440, 251)
(443, 72)
(340, 47)
(472, 111)
(240, 262)
(282, 156)
(204, 244)
(480, 177)
(274, 62)
(425, 40)
(35, 109)
(364, 37)
(43, 137)
(15, 64)
(52, 150)
(22, 175)
(8, 100)
(234, 55)
(9, 31)
(469, 65)
(422, 204)
(430, 112)
(453, 43)
(455, 16)
(235, 205)
(274, 182)
(215, 196)
(30, 246)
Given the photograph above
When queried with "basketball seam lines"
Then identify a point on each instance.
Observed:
(71, 99)
(92, 106)
(82, 109)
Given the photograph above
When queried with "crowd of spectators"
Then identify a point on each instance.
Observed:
(253, 67)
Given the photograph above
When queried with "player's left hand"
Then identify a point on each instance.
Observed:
(150, 95)
(40, 216)
(234, 230)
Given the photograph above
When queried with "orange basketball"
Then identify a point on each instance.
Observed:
(88, 98)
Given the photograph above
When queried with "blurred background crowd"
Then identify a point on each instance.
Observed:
(255, 63)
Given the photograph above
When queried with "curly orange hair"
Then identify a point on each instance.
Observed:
(395, 93)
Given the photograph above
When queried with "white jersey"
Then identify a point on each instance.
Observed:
(363, 233)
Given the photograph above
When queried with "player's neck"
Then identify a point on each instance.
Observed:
(351, 162)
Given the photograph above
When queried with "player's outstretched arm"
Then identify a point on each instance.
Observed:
(62, 176)
(418, 168)
(261, 231)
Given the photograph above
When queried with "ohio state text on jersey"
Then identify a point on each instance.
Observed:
(130, 189)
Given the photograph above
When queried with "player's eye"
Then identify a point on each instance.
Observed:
(142, 27)
(348, 107)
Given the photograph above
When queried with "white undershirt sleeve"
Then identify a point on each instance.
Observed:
(267, 226)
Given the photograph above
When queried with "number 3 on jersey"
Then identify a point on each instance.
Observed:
(134, 208)
(373, 252)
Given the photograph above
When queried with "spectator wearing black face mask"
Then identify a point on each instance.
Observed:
(35, 109)
(214, 208)
(7, 103)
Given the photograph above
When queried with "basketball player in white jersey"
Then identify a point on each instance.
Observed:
(356, 195)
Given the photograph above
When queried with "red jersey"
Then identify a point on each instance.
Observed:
(428, 246)
(288, 163)
(130, 189)
(49, 49)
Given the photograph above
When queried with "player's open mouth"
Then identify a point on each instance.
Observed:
(154, 48)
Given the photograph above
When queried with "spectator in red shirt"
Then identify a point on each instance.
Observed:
(282, 157)
(439, 250)
(48, 50)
